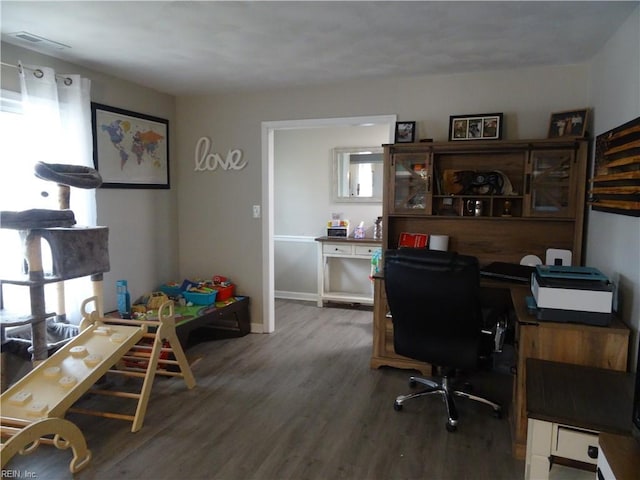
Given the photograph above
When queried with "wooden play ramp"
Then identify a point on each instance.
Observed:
(149, 357)
(33, 409)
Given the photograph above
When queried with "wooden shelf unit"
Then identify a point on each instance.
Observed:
(543, 182)
(547, 179)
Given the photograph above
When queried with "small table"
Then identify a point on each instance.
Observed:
(232, 316)
(345, 250)
(567, 407)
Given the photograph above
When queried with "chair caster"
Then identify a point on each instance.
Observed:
(412, 383)
(451, 428)
(397, 406)
(497, 413)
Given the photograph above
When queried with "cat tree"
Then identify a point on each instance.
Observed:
(75, 251)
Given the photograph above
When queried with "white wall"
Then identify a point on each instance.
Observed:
(143, 241)
(613, 241)
(216, 228)
(303, 176)
(303, 201)
(212, 219)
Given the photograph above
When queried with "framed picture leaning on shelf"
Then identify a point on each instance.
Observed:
(405, 132)
(481, 126)
(572, 123)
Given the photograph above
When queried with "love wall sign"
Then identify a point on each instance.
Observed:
(206, 160)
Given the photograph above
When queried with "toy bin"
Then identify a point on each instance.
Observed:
(224, 292)
(200, 298)
(170, 290)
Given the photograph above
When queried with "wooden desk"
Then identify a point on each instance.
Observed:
(619, 457)
(494, 293)
(568, 406)
(384, 354)
(600, 347)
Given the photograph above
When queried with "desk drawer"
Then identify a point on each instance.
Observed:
(337, 248)
(574, 443)
(364, 250)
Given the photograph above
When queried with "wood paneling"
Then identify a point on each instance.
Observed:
(489, 239)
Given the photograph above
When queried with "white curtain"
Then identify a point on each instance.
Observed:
(56, 123)
(58, 107)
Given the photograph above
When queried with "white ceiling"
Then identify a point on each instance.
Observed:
(212, 47)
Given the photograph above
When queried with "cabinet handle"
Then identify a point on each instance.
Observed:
(527, 184)
(428, 183)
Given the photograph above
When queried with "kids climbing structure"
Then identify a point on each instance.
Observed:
(75, 251)
(36, 405)
(33, 409)
(158, 353)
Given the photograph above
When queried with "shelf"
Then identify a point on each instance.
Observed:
(480, 196)
(26, 281)
(13, 319)
(486, 217)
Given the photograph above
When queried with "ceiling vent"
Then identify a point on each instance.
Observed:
(36, 41)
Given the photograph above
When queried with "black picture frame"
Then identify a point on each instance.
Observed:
(570, 123)
(479, 126)
(130, 149)
(405, 132)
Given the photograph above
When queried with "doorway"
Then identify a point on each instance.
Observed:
(268, 185)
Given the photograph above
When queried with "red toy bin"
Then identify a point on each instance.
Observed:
(224, 292)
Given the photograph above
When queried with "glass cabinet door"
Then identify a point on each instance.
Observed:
(551, 186)
(411, 183)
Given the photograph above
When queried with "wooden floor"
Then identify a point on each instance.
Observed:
(301, 403)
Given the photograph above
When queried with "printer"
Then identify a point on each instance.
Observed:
(338, 228)
(572, 294)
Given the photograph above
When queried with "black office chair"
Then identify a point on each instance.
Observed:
(434, 301)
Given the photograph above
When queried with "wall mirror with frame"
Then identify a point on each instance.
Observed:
(357, 174)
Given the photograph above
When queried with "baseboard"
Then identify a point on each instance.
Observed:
(307, 297)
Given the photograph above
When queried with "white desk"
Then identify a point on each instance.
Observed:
(347, 249)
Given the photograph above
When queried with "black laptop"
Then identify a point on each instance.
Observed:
(512, 272)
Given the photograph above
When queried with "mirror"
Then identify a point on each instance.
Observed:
(357, 174)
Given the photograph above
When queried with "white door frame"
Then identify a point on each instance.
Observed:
(268, 161)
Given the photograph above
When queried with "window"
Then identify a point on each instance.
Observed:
(20, 190)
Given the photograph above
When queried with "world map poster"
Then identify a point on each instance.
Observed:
(130, 149)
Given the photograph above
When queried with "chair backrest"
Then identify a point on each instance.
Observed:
(434, 301)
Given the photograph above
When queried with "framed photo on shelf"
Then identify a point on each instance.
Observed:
(572, 123)
(130, 150)
(482, 126)
(405, 132)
